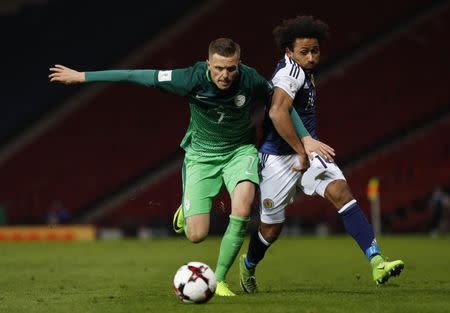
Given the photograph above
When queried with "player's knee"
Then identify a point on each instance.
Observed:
(242, 199)
(197, 227)
(270, 232)
(196, 237)
(339, 193)
(196, 234)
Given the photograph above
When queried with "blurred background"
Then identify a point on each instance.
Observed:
(107, 155)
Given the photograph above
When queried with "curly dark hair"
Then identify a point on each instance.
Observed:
(303, 26)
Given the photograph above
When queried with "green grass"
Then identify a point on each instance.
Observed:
(303, 274)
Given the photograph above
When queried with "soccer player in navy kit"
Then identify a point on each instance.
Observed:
(299, 38)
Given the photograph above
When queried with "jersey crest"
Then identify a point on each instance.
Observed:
(239, 100)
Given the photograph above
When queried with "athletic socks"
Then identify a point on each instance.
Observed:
(230, 245)
(355, 223)
(357, 226)
(256, 250)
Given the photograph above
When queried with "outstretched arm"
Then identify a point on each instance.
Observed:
(68, 76)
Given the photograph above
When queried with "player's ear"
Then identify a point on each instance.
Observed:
(288, 52)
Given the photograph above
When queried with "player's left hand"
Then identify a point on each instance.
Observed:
(322, 149)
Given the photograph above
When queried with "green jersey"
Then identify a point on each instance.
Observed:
(220, 119)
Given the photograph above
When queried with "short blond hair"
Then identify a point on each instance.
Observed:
(225, 47)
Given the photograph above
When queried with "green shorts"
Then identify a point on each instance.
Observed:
(204, 176)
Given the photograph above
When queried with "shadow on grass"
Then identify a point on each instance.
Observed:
(317, 291)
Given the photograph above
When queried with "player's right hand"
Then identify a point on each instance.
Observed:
(303, 163)
(65, 75)
(322, 149)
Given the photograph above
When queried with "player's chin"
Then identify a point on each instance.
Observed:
(224, 86)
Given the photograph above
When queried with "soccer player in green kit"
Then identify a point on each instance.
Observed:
(219, 143)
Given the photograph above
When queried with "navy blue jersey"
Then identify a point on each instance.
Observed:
(303, 91)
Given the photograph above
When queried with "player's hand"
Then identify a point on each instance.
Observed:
(65, 75)
(324, 150)
(304, 163)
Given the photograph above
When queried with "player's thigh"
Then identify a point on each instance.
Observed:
(277, 186)
(242, 165)
(240, 176)
(242, 198)
(319, 175)
(202, 182)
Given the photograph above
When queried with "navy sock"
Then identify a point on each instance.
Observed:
(357, 226)
(256, 250)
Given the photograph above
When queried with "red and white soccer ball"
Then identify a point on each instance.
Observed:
(195, 282)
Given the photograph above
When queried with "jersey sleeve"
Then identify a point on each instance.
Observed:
(177, 81)
(290, 78)
(140, 77)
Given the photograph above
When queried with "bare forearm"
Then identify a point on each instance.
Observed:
(282, 122)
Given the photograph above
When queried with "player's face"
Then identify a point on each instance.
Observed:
(306, 52)
(224, 70)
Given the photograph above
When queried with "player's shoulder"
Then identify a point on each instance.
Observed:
(289, 68)
(196, 73)
(189, 71)
(249, 76)
(199, 68)
(288, 76)
(248, 70)
(200, 65)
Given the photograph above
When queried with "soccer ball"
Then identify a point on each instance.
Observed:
(195, 282)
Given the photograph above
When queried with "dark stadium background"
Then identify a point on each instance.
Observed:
(108, 155)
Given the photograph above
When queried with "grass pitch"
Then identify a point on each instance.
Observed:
(302, 274)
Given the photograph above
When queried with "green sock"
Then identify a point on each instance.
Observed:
(230, 245)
